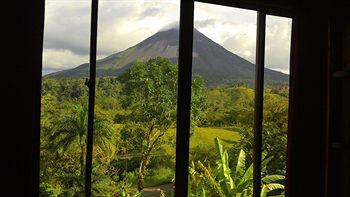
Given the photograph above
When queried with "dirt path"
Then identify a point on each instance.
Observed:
(155, 191)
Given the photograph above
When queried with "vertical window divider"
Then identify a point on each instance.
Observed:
(259, 97)
(91, 84)
(184, 97)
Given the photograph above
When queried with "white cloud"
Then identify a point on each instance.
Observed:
(121, 25)
(235, 29)
(125, 23)
(278, 35)
(55, 60)
(241, 41)
(67, 26)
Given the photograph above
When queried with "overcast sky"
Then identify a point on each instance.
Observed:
(124, 23)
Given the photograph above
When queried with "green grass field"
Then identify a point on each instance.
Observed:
(205, 136)
(202, 136)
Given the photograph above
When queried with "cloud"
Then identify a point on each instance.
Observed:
(235, 29)
(204, 23)
(123, 24)
(150, 12)
(62, 59)
(172, 25)
(241, 41)
(134, 22)
(278, 35)
(67, 26)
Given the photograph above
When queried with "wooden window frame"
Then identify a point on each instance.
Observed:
(184, 88)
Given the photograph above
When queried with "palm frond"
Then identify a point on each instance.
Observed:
(272, 186)
(223, 169)
(248, 176)
(240, 167)
(272, 178)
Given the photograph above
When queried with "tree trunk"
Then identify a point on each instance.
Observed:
(142, 172)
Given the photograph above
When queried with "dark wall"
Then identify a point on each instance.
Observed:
(307, 116)
(22, 35)
(20, 89)
(313, 169)
(338, 174)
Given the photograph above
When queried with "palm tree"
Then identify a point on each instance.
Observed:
(69, 133)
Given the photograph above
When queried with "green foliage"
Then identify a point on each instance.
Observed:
(65, 89)
(150, 92)
(241, 110)
(159, 176)
(68, 139)
(203, 153)
(199, 101)
(71, 131)
(224, 182)
(49, 190)
(223, 170)
(135, 123)
(150, 99)
(275, 126)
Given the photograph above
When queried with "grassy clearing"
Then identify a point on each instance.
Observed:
(202, 136)
(205, 136)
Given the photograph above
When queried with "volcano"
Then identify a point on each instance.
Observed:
(216, 64)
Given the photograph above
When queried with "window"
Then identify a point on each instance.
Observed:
(164, 123)
(64, 101)
(139, 98)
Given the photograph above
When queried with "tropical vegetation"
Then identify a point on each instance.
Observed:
(134, 135)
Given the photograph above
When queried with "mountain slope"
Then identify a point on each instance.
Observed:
(216, 64)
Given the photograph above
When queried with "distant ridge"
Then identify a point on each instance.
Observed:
(216, 64)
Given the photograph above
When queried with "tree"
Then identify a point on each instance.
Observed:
(69, 134)
(229, 106)
(150, 99)
(275, 126)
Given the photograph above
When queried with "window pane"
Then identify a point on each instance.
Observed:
(276, 95)
(135, 112)
(224, 45)
(64, 98)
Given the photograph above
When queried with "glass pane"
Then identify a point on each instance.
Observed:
(64, 98)
(276, 95)
(222, 118)
(135, 112)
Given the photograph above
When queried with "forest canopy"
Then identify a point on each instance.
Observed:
(135, 121)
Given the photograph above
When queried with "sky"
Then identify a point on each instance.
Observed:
(124, 23)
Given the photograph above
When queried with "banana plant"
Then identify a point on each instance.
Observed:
(238, 182)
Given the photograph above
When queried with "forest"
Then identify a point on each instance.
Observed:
(135, 128)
